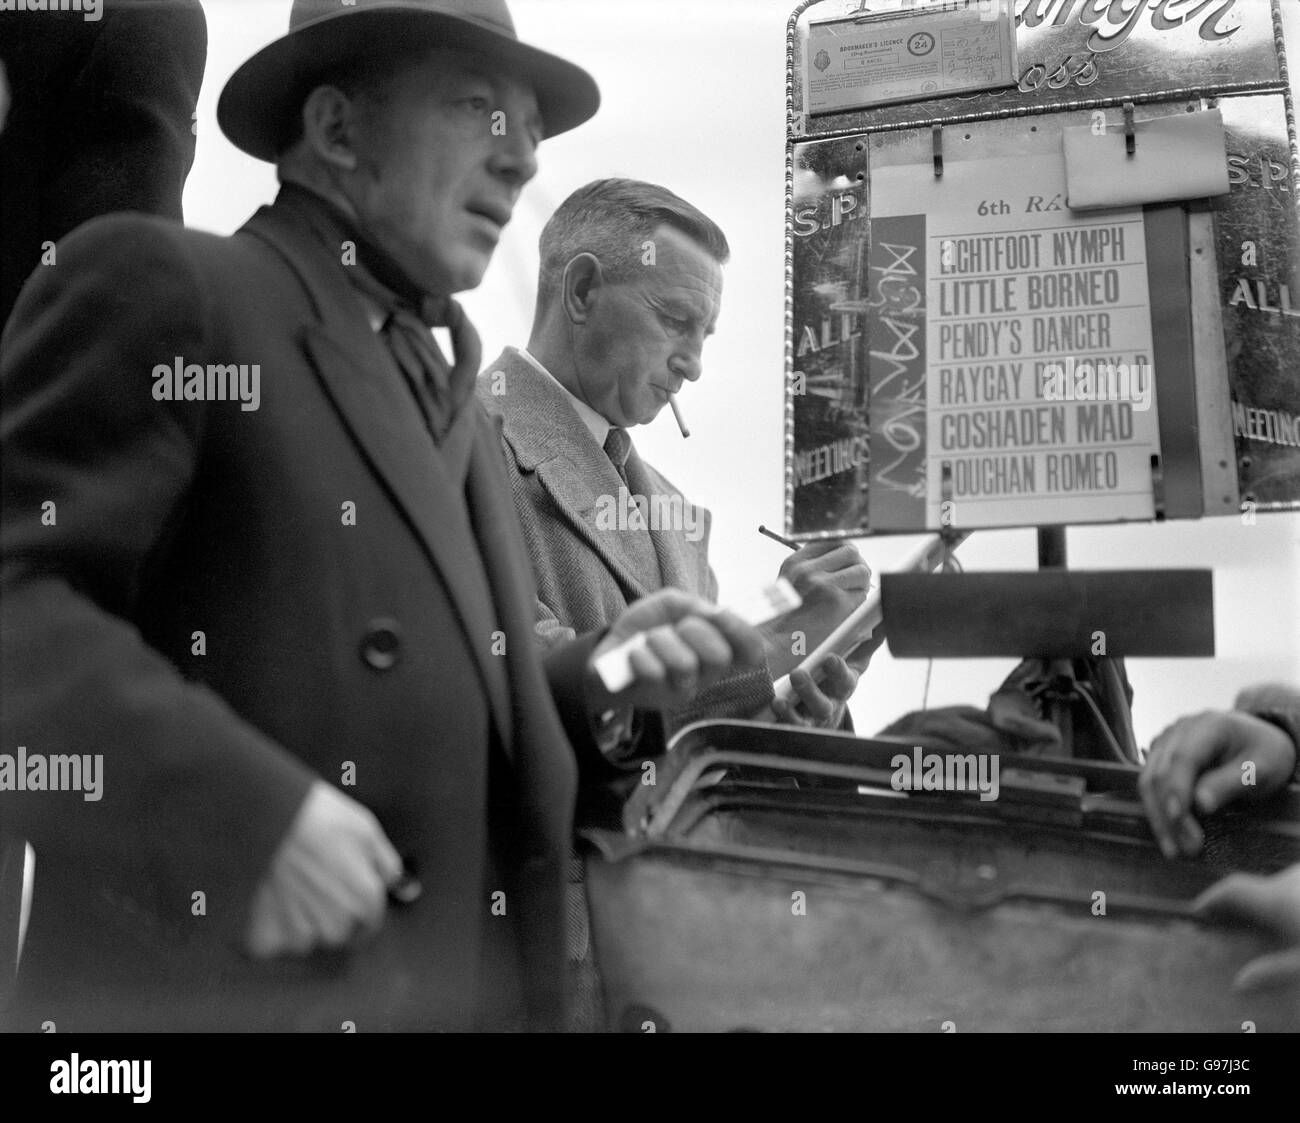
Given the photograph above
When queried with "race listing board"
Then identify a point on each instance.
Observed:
(1010, 369)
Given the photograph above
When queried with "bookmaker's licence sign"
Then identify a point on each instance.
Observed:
(1010, 365)
(877, 59)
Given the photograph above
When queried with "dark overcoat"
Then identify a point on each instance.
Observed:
(228, 604)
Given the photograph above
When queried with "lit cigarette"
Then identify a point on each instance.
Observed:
(677, 413)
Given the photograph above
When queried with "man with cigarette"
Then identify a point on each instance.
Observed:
(630, 286)
(338, 779)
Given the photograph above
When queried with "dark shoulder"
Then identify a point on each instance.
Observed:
(128, 274)
(151, 254)
(132, 238)
(106, 263)
(126, 260)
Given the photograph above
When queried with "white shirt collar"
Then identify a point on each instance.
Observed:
(597, 425)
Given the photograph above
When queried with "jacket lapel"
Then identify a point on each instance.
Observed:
(549, 438)
(496, 526)
(683, 563)
(367, 390)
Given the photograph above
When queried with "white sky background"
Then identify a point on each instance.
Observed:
(694, 98)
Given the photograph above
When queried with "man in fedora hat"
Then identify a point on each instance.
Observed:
(263, 582)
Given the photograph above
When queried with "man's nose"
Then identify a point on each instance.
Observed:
(514, 155)
(686, 365)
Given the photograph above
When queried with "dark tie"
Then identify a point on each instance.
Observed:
(617, 446)
(440, 389)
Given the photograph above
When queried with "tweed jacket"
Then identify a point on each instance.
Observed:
(591, 556)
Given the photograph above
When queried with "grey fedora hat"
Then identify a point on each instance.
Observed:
(258, 105)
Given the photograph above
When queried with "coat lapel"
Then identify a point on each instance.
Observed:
(367, 390)
(683, 563)
(549, 438)
(496, 526)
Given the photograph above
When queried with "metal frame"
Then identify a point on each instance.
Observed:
(1219, 479)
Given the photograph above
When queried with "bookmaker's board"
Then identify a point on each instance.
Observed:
(1041, 258)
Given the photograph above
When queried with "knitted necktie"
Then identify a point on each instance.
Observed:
(408, 312)
(617, 446)
(440, 388)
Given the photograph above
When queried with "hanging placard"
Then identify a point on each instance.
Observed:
(900, 56)
(1017, 387)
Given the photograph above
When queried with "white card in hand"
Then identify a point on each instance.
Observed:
(768, 603)
(771, 601)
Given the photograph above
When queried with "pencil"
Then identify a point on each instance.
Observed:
(772, 534)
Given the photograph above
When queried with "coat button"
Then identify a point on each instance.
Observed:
(380, 645)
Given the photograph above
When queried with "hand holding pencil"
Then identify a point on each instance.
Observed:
(832, 579)
(862, 632)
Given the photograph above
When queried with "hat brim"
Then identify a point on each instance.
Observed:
(257, 106)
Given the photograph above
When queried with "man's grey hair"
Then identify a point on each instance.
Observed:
(614, 219)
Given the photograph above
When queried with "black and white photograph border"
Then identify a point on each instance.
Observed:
(316, 525)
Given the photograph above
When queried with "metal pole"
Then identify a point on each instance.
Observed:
(1051, 555)
(1051, 547)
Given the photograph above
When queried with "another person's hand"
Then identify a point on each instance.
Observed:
(1196, 766)
(833, 580)
(1272, 902)
(819, 702)
(690, 645)
(328, 881)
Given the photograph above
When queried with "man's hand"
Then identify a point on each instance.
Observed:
(1196, 764)
(690, 645)
(819, 703)
(328, 880)
(833, 580)
(1274, 903)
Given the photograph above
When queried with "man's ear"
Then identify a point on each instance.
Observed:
(328, 115)
(583, 280)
